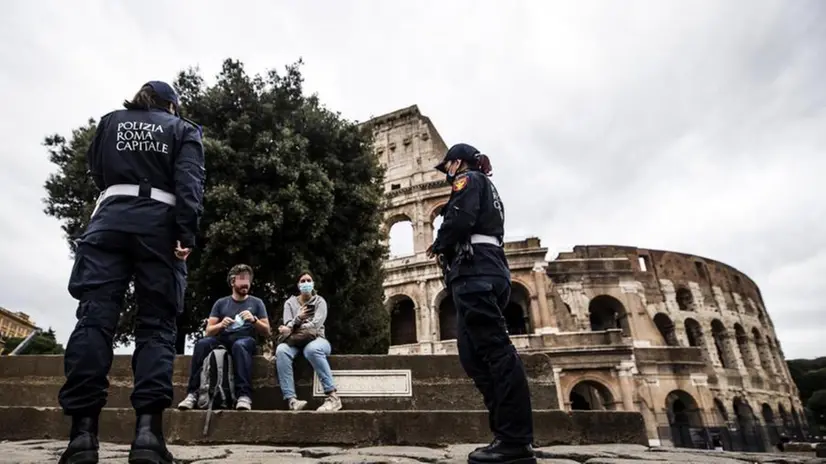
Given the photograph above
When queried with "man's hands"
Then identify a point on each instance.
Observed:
(247, 316)
(226, 322)
(284, 330)
(182, 253)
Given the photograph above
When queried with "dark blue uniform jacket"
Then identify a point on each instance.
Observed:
(154, 149)
(474, 207)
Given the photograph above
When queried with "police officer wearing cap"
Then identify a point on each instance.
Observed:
(469, 246)
(148, 163)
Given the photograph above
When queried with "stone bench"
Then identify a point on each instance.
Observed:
(365, 382)
(388, 400)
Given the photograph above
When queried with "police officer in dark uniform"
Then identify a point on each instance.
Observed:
(148, 163)
(469, 246)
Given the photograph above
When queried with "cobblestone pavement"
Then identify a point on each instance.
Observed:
(43, 451)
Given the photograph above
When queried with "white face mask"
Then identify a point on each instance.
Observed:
(305, 287)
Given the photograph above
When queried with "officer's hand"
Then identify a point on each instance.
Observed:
(247, 316)
(182, 253)
(227, 322)
(429, 252)
(284, 330)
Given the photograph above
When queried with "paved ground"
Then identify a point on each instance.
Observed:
(43, 451)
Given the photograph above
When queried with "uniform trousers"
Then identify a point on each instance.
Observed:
(105, 263)
(490, 359)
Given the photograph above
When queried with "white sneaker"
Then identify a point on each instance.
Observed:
(331, 403)
(243, 403)
(188, 402)
(296, 404)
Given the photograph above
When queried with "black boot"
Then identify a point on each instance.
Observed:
(149, 447)
(83, 442)
(502, 453)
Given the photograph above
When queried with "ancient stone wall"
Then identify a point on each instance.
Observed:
(684, 339)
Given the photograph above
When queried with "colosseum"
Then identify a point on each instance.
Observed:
(683, 339)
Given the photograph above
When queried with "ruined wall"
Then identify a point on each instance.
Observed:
(683, 339)
(665, 301)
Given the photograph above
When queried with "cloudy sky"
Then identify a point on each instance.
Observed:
(695, 126)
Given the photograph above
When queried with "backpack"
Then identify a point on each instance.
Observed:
(217, 389)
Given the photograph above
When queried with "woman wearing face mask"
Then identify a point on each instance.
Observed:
(307, 310)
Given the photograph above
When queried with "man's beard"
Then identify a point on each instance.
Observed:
(242, 290)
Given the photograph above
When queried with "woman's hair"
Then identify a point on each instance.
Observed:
(482, 163)
(146, 99)
(305, 273)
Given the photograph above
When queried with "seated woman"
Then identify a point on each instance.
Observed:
(308, 310)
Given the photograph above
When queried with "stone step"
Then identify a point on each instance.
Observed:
(381, 382)
(342, 428)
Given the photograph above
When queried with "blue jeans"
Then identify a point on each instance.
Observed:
(316, 353)
(242, 350)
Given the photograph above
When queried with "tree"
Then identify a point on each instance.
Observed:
(291, 186)
(817, 404)
(43, 343)
(808, 374)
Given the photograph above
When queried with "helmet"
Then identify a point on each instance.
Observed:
(238, 269)
(460, 151)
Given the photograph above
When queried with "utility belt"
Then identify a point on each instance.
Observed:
(135, 190)
(463, 251)
(476, 239)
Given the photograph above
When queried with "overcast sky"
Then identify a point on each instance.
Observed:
(695, 126)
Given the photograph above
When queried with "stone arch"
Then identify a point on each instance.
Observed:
(434, 217)
(685, 300)
(683, 416)
(775, 355)
(696, 337)
(666, 327)
(517, 312)
(797, 431)
(402, 310)
(401, 234)
(785, 419)
(722, 344)
(720, 413)
(447, 316)
(591, 395)
(747, 425)
(719, 430)
(606, 312)
(743, 345)
(772, 430)
(762, 351)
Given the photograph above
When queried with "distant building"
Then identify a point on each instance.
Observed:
(15, 324)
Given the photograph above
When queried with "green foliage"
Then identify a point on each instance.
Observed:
(44, 343)
(809, 375)
(291, 186)
(817, 403)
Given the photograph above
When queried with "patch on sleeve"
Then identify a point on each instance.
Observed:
(460, 183)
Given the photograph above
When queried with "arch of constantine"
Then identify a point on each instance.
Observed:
(683, 339)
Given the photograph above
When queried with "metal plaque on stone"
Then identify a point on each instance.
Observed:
(369, 383)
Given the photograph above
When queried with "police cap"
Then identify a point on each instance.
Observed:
(164, 91)
(460, 151)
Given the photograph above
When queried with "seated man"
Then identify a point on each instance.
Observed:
(233, 323)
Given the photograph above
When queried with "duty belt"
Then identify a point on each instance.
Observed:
(134, 190)
(489, 239)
